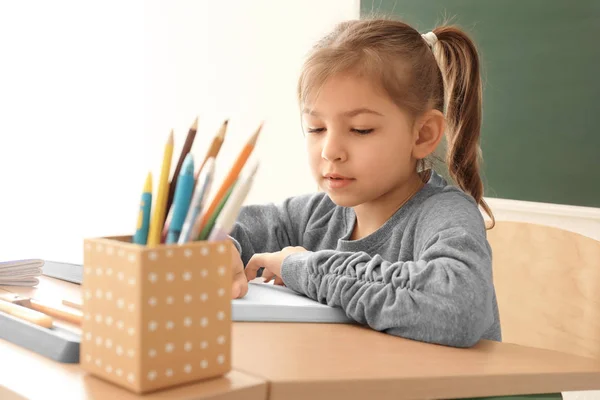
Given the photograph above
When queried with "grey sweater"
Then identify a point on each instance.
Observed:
(426, 274)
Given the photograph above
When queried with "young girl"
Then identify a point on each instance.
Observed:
(387, 239)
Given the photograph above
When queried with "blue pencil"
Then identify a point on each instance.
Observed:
(143, 222)
(182, 199)
(191, 227)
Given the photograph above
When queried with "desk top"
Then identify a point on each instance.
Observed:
(317, 361)
(35, 377)
(356, 362)
(32, 376)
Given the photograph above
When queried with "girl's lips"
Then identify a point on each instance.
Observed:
(338, 183)
(335, 176)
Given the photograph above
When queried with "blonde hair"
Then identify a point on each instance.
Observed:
(445, 77)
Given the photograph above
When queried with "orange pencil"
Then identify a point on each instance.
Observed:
(214, 148)
(232, 176)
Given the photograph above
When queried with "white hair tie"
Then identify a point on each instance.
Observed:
(430, 38)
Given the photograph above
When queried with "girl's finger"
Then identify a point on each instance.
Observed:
(240, 285)
(278, 281)
(268, 275)
(253, 265)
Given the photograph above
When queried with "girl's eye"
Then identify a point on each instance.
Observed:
(315, 130)
(363, 131)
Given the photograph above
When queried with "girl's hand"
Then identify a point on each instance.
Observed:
(271, 262)
(240, 283)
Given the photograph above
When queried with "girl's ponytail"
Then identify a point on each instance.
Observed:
(458, 61)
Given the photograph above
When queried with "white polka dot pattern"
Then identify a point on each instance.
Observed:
(152, 375)
(157, 317)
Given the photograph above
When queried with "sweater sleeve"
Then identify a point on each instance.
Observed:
(267, 228)
(444, 296)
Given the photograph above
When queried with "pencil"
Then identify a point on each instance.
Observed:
(187, 147)
(228, 215)
(158, 215)
(214, 148)
(143, 223)
(213, 218)
(182, 199)
(190, 228)
(232, 176)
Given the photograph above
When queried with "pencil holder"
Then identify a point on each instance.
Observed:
(156, 317)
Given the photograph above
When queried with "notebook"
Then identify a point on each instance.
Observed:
(271, 303)
(65, 271)
(21, 272)
(263, 302)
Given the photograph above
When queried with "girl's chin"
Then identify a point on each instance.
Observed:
(343, 199)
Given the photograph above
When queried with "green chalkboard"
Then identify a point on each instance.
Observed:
(541, 80)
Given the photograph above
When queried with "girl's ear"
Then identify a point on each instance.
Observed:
(429, 130)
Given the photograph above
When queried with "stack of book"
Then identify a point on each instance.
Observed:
(21, 272)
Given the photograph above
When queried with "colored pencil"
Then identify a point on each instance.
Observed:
(190, 229)
(182, 199)
(215, 147)
(158, 215)
(205, 232)
(227, 217)
(232, 176)
(143, 222)
(187, 147)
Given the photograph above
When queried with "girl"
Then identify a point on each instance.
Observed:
(387, 239)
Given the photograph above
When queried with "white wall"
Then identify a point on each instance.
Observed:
(89, 91)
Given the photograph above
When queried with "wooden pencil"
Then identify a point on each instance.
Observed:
(214, 148)
(187, 147)
(158, 216)
(231, 176)
(73, 304)
(213, 218)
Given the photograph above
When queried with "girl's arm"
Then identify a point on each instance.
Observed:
(269, 228)
(444, 296)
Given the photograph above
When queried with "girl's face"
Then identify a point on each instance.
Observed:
(359, 142)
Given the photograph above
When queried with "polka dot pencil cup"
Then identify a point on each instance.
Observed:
(156, 317)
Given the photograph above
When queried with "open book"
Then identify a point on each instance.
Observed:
(263, 302)
(21, 272)
(271, 303)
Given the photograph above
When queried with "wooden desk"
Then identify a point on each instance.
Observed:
(352, 362)
(32, 376)
(318, 361)
(36, 377)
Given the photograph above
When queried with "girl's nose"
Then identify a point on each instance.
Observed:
(333, 148)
